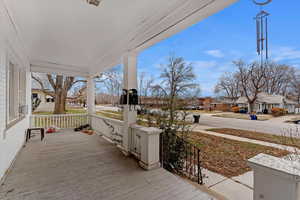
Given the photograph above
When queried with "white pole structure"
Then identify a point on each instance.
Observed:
(91, 108)
(129, 82)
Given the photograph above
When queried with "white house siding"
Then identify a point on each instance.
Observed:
(11, 139)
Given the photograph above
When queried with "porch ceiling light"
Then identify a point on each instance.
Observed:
(94, 2)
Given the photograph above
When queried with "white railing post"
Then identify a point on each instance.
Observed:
(61, 121)
(91, 96)
(149, 146)
(275, 178)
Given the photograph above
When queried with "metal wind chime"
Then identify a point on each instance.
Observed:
(262, 35)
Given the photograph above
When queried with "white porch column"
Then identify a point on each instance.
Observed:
(129, 82)
(91, 108)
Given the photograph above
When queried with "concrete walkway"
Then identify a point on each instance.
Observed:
(203, 129)
(75, 166)
(236, 188)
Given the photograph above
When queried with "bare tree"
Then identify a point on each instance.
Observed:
(145, 85)
(228, 86)
(278, 78)
(112, 80)
(295, 84)
(177, 81)
(58, 87)
(252, 80)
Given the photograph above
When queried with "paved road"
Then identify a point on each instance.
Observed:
(278, 128)
(272, 126)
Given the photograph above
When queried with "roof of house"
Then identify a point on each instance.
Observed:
(267, 98)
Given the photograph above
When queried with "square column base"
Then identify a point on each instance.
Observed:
(149, 167)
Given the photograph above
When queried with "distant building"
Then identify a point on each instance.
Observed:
(266, 102)
(102, 98)
(223, 104)
(219, 104)
(46, 102)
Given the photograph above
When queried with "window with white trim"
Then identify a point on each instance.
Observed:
(16, 93)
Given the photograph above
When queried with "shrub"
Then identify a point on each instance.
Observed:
(276, 112)
(235, 109)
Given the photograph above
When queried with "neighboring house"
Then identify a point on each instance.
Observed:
(222, 104)
(266, 102)
(206, 102)
(46, 101)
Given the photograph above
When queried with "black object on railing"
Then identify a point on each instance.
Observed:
(179, 156)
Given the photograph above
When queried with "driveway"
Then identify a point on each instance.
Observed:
(277, 128)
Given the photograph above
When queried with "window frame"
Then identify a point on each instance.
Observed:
(11, 60)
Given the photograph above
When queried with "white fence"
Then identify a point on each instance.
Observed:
(110, 128)
(60, 121)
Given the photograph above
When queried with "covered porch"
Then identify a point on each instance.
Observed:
(74, 38)
(71, 165)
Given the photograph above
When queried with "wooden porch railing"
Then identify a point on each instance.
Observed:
(110, 128)
(143, 142)
(60, 121)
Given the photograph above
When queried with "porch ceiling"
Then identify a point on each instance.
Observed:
(71, 35)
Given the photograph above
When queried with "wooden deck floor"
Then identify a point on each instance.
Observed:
(73, 166)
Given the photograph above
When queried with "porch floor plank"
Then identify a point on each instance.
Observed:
(73, 166)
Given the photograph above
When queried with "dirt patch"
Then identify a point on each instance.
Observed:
(283, 140)
(229, 157)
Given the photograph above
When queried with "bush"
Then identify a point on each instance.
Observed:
(235, 109)
(276, 112)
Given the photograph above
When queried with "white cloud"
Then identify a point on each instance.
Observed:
(285, 53)
(215, 53)
(204, 64)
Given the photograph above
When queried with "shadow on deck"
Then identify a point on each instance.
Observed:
(73, 166)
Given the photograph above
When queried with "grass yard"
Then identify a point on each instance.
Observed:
(243, 116)
(69, 111)
(112, 115)
(294, 142)
(229, 157)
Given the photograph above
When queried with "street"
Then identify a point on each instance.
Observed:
(276, 128)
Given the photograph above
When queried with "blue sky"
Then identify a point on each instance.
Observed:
(215, 42)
